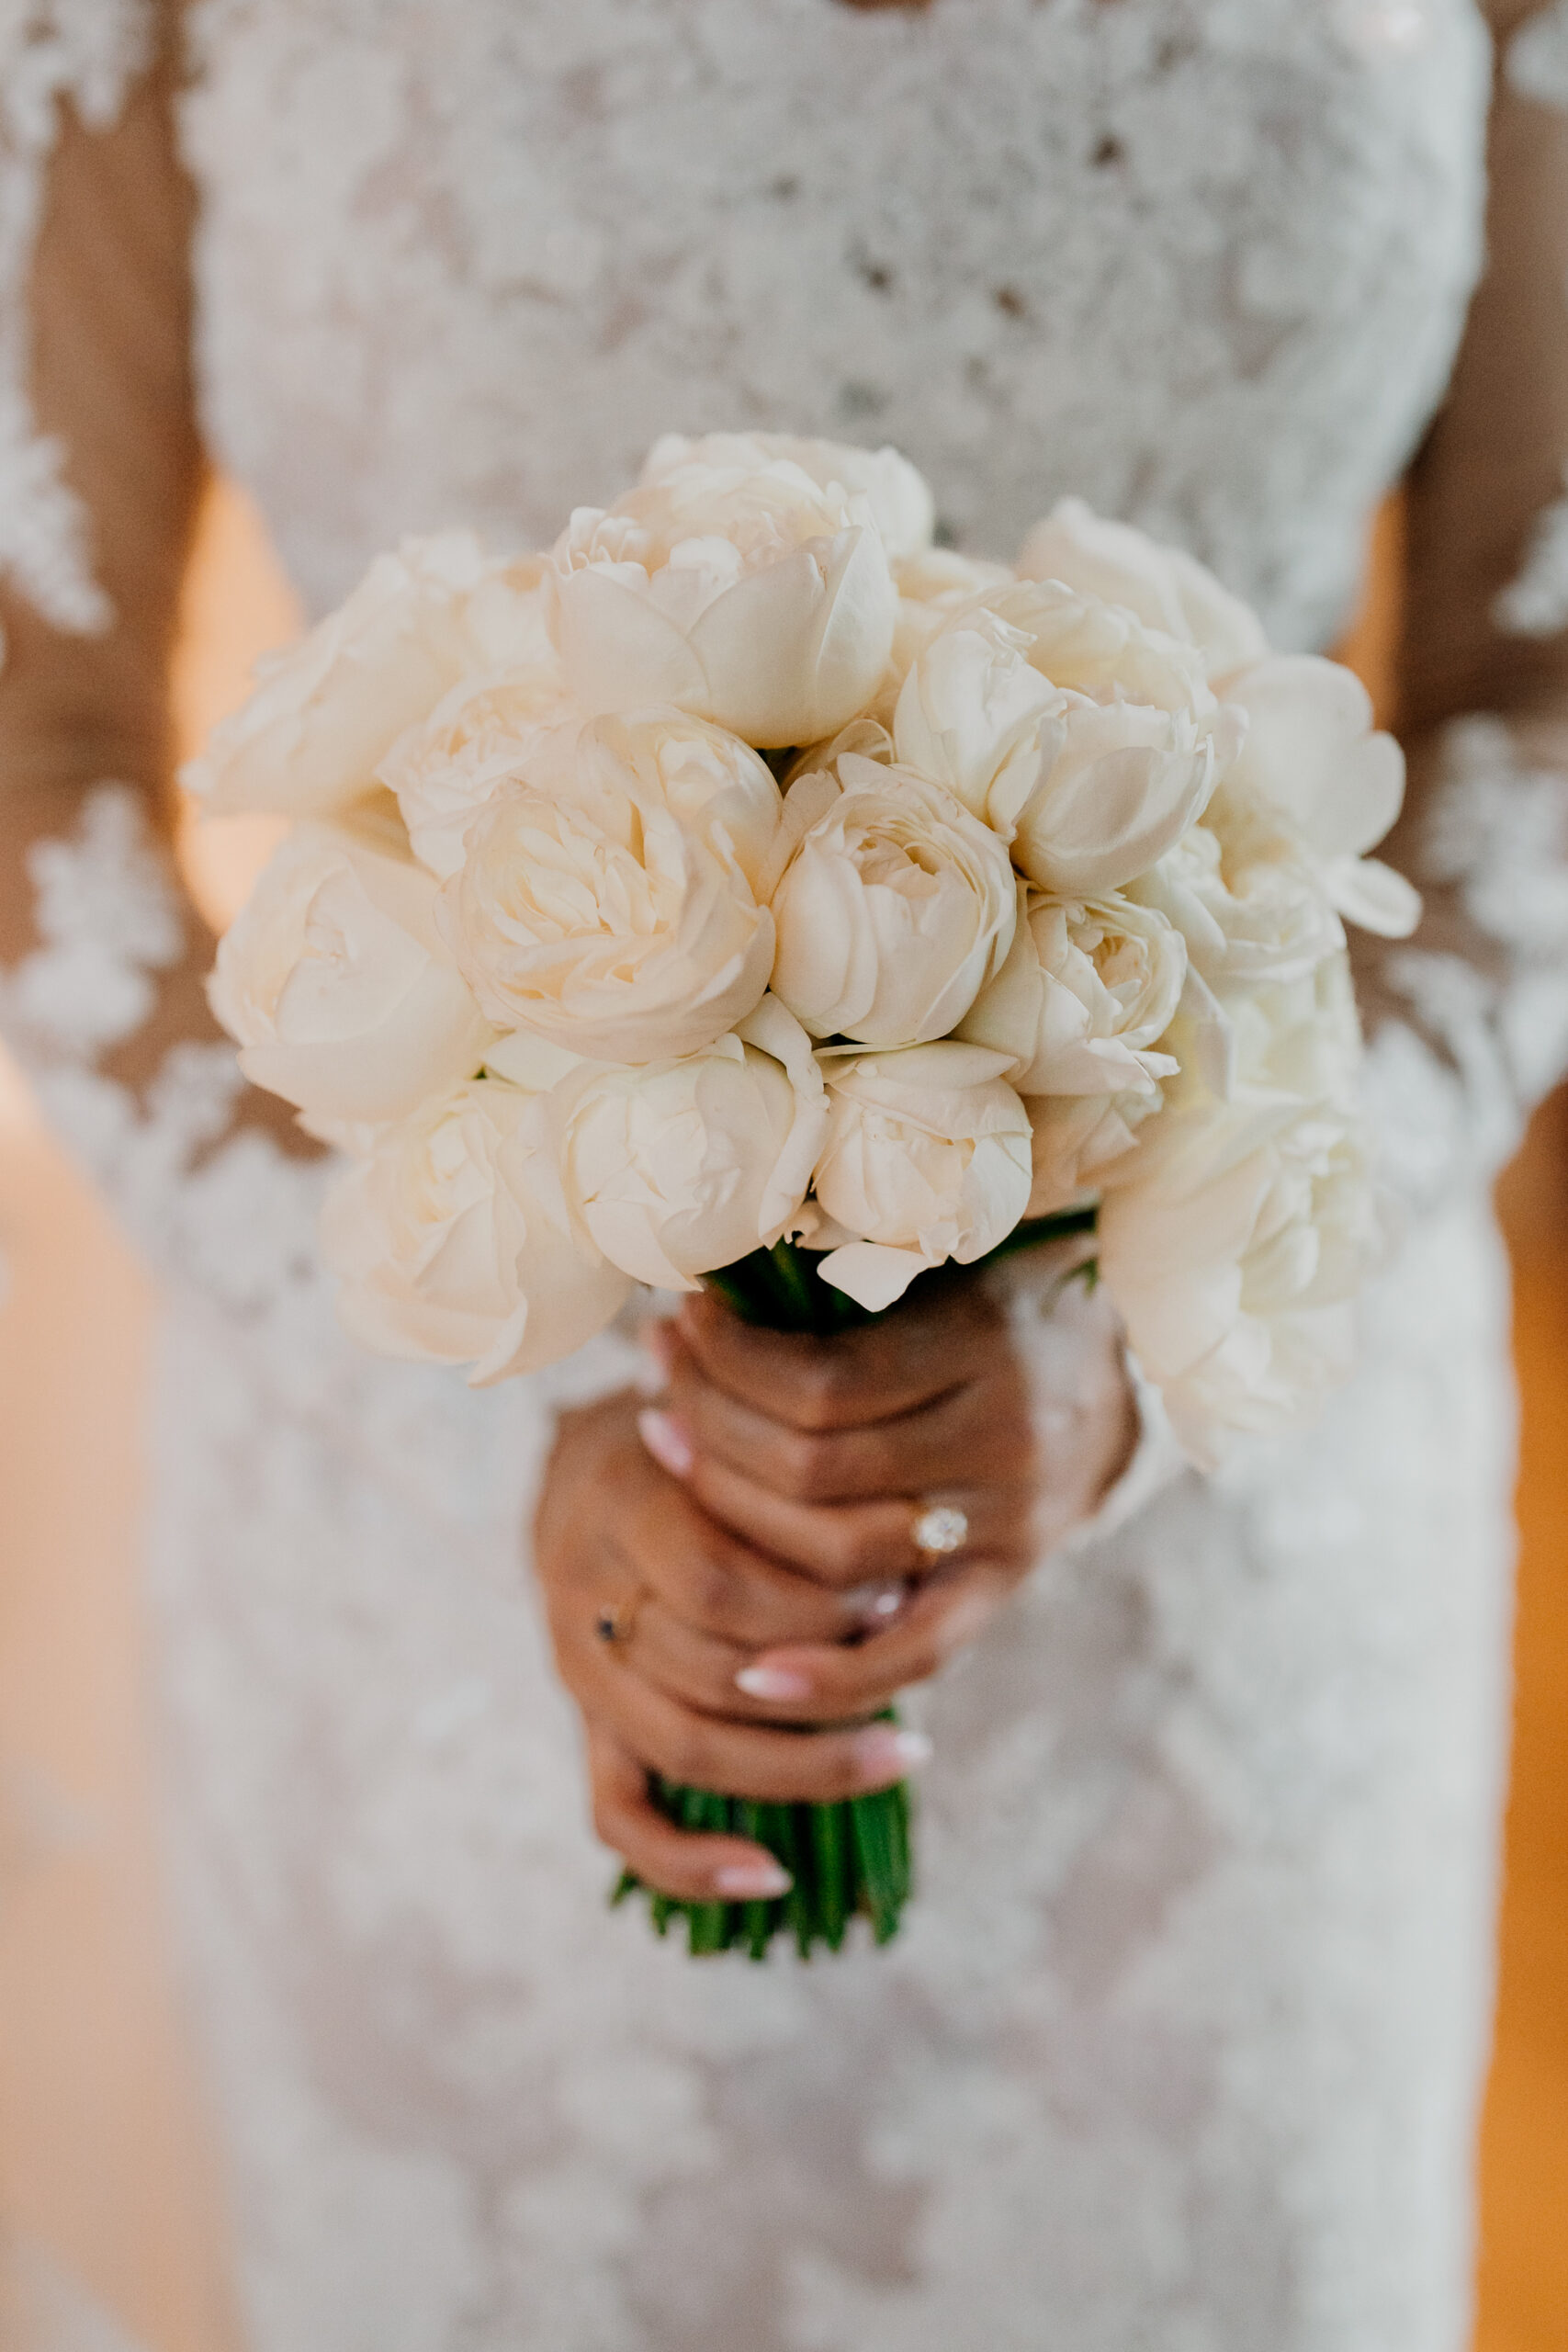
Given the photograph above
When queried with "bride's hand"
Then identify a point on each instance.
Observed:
(762, 1573)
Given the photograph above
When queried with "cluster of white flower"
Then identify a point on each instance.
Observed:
(1035, 903)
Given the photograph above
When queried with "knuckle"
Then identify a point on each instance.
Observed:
(807, 1460)
(686, 1752)
(609, 1826)
(819, 1393)
(709, 1588)
(854, 1547)
(836, 1776)
(929, 1658)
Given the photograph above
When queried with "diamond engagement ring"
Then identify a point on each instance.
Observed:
(939, 1529)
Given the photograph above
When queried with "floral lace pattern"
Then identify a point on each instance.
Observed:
(1535, 602)
(1538, 56)
(887, 224)
(85, 51)
(1182, 2042)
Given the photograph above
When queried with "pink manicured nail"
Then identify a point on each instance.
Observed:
(753, 1881)
(667, 1440)
(884, 1754)
(772, 1683)
(874, 1604)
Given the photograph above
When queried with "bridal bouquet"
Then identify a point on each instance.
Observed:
(749, 892)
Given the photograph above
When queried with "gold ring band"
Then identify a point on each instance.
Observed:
(615, 1621)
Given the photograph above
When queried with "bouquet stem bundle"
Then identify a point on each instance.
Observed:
(848, 1858)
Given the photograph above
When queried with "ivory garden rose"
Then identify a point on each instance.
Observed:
(1312, 755)
(748, 594)
(687, 1165)
(1088, 989)
(326, 711)
(607, 906)
(926, 1158)
(444, 768)
(453, 1242)
(897, 494)
(1236, 1236)
(1163, 586)
(895, 909)
(1088, 744)
(337, 985)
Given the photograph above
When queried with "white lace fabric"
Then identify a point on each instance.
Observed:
(1182, 2044)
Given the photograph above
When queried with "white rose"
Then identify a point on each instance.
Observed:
(1240, 1231)
(1248, 904)
(1080, 738)
(750, 597)
(612, 910)
(975, 715)
(336, 984)
(938, 580)
(1234, 1264)
(931, 586)
(927, 1158)
(896, 910)
(1312, 755)
(696, 1163)
(1101, 650)
(896, 492)
(453, 1242)
(444, 768)
(1078, 1141)
(1088, 989)
(707, 778)
(1164, 586)
(326, 711)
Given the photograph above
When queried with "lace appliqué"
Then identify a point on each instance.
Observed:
(1535, 602)
(1537, 64)
(1487, 1035)
(110, 921)
(53, 53)
(875, 224)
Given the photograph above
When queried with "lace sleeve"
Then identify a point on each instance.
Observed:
(101, 957)
(1471, 1019)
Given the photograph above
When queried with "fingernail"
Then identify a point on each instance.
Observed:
(667, 1440)
(753, 1881)
(884, 1754)
(873, 1604)
(772, 1683)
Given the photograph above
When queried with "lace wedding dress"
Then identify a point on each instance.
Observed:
(1181, 2045)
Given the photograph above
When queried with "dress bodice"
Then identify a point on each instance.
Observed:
(1202, 261)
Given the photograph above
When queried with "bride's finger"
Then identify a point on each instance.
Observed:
(892, 1366)
(714, 1678)
(674, 1862)
(977, 1433)
(836, 1543)
(822, 1682)
(744, 1760)
(718, 1584)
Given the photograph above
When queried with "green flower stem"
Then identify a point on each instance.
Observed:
(842, 1859)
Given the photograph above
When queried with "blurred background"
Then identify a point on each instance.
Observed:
(101, 2154)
